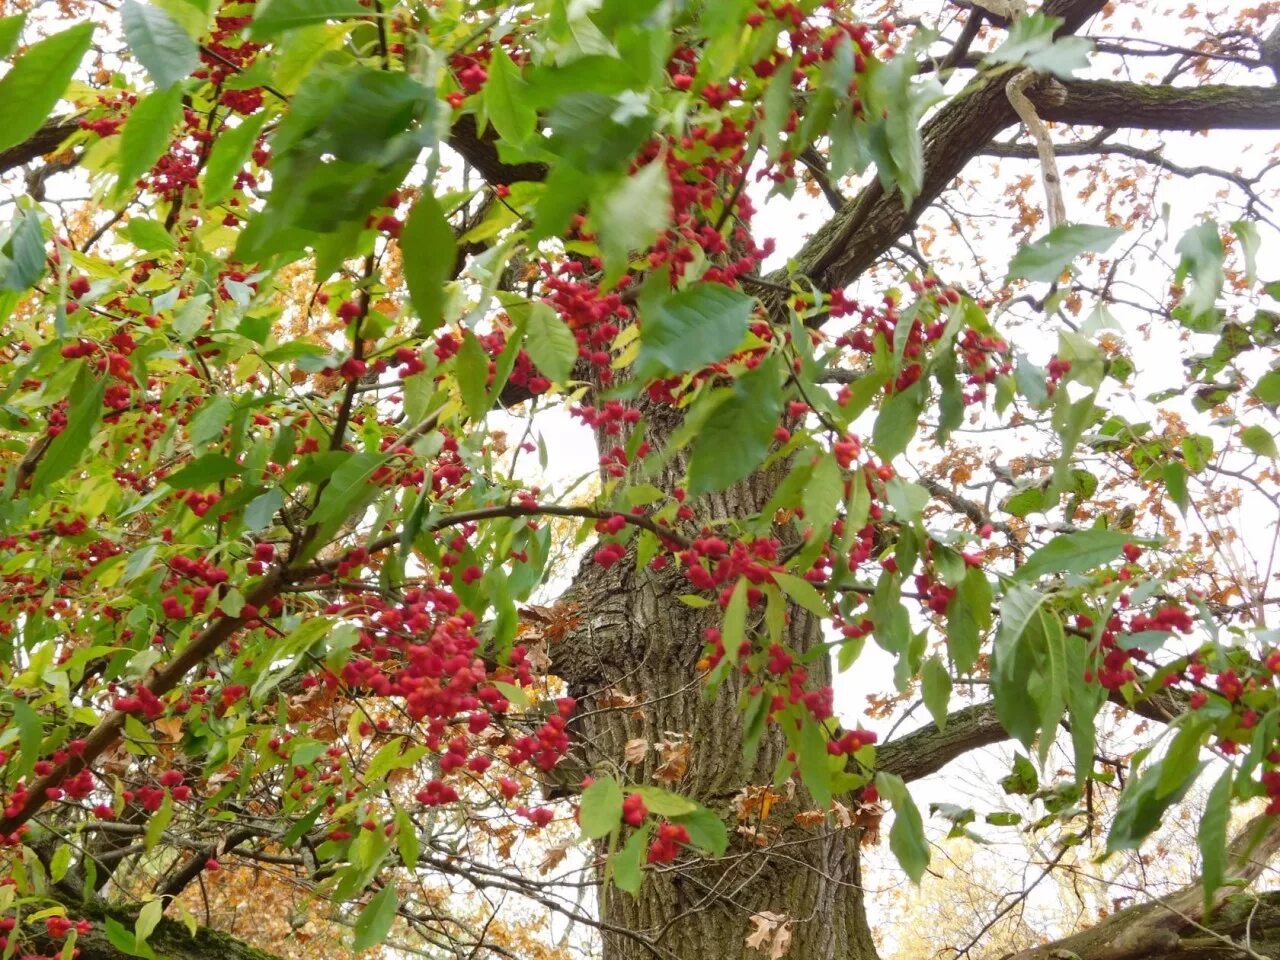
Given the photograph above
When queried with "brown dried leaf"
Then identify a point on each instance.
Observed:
(674, 755)
(771, 933)
(634, 751)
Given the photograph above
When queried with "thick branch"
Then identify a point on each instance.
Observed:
(1110, 103)
(857, 236)
(1175, 928)
(924, 752)
(45, 140)
(169, 940)
(927, 750)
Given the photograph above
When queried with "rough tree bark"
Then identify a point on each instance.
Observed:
(635, 639)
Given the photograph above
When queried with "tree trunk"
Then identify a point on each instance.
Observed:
(631, 660)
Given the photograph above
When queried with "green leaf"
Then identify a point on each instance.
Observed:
(30, 736)
(160, 43)
(811, 756)
(1031, 42)
(821, 496)
(206, 426)
(429, 251)
(158, 823)
(1212, 837)
(1246, 232)
(261, 511)
(935, 683)
(706, 830)
(628, 865)
(231, 149)
(1175, 484)
(10, 33)
(803, 593)
(148, 919)
(507, 100)
(374, 922)
(146, 136)
(124, 941)
(733, 629)
(1267, 389)
(897, 421)
(550, 343)
(631, 215)
(1049, 256)
(349, 489)
(688, 330)
(1202, 254)
(209, 469)
(60, 862)
(149, 235)
(968, 618)
(1143, 803)
(30, 91)
(1074, 553)
(471, 367)
(1259, 440)
(1015, 662)
(737, 435)
(25, 252)
(600, 811)
(664, 803)
(1022, 780)
(906, 836)
(276, 15)
(66, 448)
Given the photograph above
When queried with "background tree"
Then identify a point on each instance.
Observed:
(294, 294)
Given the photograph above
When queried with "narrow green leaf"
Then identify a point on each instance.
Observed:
(550, 343)
(349, 488)
(600, 811)
(230, 151)
(628, 865)
(11, 32)
(906, 836)
(737, 435)
(261, 511)
(374, 922)
(429, 251)
(690, 329)
(507, 99)
(25, 252)
(664, 803)
(1074, 553)
(811, 757)
(935, 682)
(161, 44)
(631, 215)
(706, 830)
(803, 593)
(735, 619)
(275, 15)
(1212, 837)
(148, 919)
(30, 91)
(146, 136)
(66, 448)
(1049, 256)
(206, 426)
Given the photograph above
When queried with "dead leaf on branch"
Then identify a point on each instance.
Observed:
(555, 855)
(635, 750)
(770, 933)
(674, 756)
